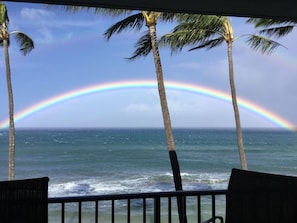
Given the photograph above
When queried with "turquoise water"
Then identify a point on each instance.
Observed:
(104, 161)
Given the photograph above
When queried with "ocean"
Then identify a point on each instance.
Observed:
(110, 161)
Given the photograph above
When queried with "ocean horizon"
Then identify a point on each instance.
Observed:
(92, 161)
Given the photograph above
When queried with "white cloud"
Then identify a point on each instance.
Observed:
(80, 23)
(37, 14)
(46, 36)
(55, 18)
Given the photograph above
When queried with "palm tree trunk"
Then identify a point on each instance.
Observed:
(11, 162)
(167, 125)
(235, 107)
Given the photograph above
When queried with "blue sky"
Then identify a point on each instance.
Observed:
(71, 53)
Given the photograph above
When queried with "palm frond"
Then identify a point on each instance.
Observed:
(174, 40)
(3, 14)
(179, 39)
(168, 16)
(208, 26)
(273, 27)
(209, 44)
(277, 31)
(113, 12)
(262, 22)
(72, 8)
(193, 30)
(211, 22)
(143, 47)
(192, 35)
(25, 42)
(96, 10)
(132, 22)
(263, 44)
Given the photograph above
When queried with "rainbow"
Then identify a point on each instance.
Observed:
(277, 120)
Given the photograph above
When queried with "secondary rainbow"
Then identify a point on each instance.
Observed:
(264, 113)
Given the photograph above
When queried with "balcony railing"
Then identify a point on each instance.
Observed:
(153, 207)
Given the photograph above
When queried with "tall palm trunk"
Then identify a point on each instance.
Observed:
(26, 45)
(11, 163)
(167, 123)
(235, 108)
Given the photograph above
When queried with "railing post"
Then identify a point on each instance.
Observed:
(157, 210)
(169, 210)
(112, 211)
(144, 210)
(199, 208)
(96, 211)
(213, 206)
(79, 212)
(128, 210)
(63, 212)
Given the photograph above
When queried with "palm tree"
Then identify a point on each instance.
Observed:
(149, 41)
(144, 45)
(26, 45)
(205, 31)
(273, 27)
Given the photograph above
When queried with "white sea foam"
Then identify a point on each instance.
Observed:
(70, 189)
(139, 184)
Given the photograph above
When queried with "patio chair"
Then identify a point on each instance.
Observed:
(24, 201)
(260, 198)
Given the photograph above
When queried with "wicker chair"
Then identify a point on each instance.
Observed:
(24, 201)
(260, 198)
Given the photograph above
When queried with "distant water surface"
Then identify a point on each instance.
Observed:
(104, 161)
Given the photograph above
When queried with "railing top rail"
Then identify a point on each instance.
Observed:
(135, 196)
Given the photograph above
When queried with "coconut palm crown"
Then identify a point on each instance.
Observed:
(26, 45)
(207, 31)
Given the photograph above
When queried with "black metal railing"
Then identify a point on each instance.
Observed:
(153, 207)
